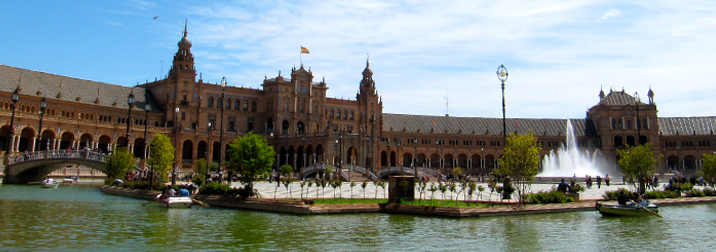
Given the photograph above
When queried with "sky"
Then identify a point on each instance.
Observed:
(428, 57)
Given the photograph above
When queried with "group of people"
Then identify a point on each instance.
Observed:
(170, 192)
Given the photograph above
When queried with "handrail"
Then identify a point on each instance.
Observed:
(56, 154)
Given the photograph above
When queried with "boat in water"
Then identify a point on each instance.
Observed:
(627, 209)
(49, 183)
(71, 179)
(174, 201)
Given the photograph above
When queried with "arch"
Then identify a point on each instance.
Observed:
(282, 156)
(408, 159)
(300, 157)
(383, 158)
(351, 155)
(630, 140)
(618, 142)
(285, 127)
(689, 162)
(227, 104)
(104, 142)
(420, 160)
(301, 129)
(253, 106)
(66, 140)
(489, 163)
(462, 160)
(672, 162)
(269, 125)
(448, 160)
(246, 105)
(320, 155)
(292, 157)
(434, 160)
(216, 152)
(202, 150)
(5, 133)
(139, 147)
(237, 104)
(476, 161)
(393, 159)
(27, 134)
(187, 151)
(643, 139)
(210, 102)
(85, 140)
(46, 139)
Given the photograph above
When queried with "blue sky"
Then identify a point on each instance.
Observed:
(559, 53)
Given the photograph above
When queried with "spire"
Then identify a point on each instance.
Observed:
(601, 94)
(183, 59)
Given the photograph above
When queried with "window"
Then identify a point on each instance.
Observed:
(232, 126)
(338, 114)
(345, 115)
(237, 104)
(352, 116)
(228, 103)
(253, 106)
(246, 105)
(331, 114)
(210, 103)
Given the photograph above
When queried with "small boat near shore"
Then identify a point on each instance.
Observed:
(49, 183)
(627, 209)
(174, 201)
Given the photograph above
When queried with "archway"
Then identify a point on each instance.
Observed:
(26, 137)
(67, 139)
(187, 151)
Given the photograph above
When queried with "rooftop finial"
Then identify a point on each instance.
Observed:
(185, 29)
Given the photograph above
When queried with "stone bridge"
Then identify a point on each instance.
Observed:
(385, 172)
(32, 167)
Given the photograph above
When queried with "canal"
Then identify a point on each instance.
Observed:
(79, 217)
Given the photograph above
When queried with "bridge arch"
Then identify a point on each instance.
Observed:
(35, 166)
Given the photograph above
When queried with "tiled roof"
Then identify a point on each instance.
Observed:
(89, 92)
(618, 98)
(482, 126)
(672, 126)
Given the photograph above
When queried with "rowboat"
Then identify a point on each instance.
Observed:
(627, 209)
(49, 183)
(174, 201)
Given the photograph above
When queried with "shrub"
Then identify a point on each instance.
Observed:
(198, 180)
(679, 187)
(214, 188)
(622, 192)
(709, 192)
(662, 194)
(577, 188)
(695, 193)
(543, 197)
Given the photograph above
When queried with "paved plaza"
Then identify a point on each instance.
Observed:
(269, 190)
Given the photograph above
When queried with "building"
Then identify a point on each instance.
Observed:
(307, 128)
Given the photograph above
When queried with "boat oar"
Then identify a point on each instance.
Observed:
(147, 203)
(198, 202)
(646, 209)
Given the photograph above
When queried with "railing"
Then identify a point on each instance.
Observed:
(432, 172)
(359, 169)
(56, 154)
(344, 175)
(372, 176)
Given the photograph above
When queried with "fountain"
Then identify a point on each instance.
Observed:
(568, 160)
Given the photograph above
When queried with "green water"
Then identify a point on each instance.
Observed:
(82, 218)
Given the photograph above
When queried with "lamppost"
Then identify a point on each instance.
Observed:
(415, 157)
(340, 153)
(221, 128)
(638, 124)
(369, 161)
(130, 102)
(11, 135)
(147, 107)
(176, 145)
(43, 106)
(502, 75)
(398, 143)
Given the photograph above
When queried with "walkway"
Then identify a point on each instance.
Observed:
(268, 190)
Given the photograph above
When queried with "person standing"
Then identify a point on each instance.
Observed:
(606, 179)
(599, 182)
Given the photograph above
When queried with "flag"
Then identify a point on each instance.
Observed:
(304, 50)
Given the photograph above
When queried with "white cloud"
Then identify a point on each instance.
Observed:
(612, 13)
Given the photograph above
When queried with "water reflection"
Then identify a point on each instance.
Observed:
(82, 218)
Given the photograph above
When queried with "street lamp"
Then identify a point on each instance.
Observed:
(15, 98)
(638, 126)
(176, 145)
(340, 153)
(147, 107)
(502, 74)
(43, 106)
(221, 128)
(415, 157)
(130, 102)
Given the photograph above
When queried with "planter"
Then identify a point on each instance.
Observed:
(576, 196)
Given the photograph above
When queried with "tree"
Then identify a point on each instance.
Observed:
(250, 157)
(201, 167)
(520, 161)
(709, 168)
(637, 164)
(286, 171)
(119, 164)
(161, 156)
